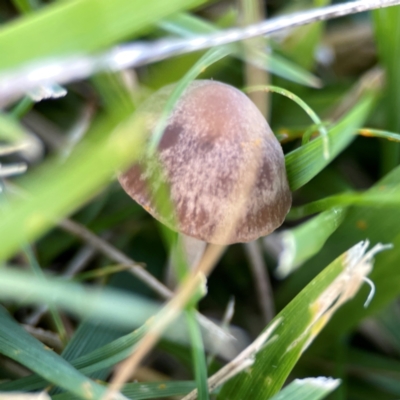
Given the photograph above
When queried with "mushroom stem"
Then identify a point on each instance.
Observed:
(192, 249)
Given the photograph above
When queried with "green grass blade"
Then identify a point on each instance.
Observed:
(307, 161)
(304, 241)
(199, 359)
(79, 26)
(17, 344)
(308, 389)
(300, 322)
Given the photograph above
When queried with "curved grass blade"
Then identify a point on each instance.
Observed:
(307, 161)
(378, 133)
(304, 106)
(301, 321)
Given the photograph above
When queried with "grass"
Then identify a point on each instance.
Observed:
(83, 266)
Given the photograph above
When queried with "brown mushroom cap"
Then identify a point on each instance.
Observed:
(224, 167)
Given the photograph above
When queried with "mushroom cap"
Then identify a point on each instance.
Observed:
(223, 165)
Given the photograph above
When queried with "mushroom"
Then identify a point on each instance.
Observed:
(222, 163)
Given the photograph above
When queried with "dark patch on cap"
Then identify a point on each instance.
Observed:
(170, 136)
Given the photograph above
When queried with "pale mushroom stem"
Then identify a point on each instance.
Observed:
(192, 248)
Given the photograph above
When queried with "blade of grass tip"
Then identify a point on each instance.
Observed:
(308, 389)
(204, 62)
(301, 243)
(378, 133)
(304, 106)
